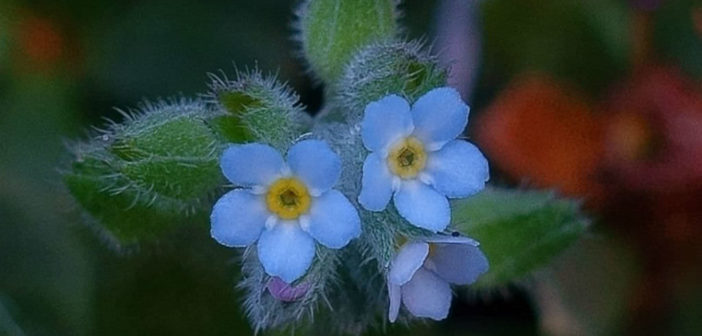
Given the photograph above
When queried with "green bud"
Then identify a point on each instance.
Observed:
(147, 175)
(170, 150)
(332, 30)
(121, 212)
(256, 108)
(389, 67)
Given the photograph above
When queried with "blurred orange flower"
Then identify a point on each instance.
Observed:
(654, 132)
(541, 131)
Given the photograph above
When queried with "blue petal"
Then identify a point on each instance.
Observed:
(251, 164)
(422, 206)
(458, 169)
(458, 263)
(395, 296)
(427, 295)
(238, 218)
(376, 183)
(286, 251)
(439, 116)
(333, 220)
(407, 261)
(316, 164)
(384, 122)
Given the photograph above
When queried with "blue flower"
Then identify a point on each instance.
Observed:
(285, 207)
(415, 156)
(421, 271)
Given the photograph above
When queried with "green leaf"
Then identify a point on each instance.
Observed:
(519, 231)
(332, 30)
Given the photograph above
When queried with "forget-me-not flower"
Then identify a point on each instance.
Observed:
(284, 206)
(421, 271)
(415, 155)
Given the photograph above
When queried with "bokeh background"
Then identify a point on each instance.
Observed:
(600, 100)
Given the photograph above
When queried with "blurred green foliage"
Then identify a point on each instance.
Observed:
(586, 42)
(676, 34)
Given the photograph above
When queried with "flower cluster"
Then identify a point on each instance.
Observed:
(285, 206)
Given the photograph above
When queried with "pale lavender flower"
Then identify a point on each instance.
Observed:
(422, 270)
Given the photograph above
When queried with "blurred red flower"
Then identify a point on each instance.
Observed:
(654, 132)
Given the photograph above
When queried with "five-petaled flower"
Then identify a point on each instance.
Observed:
(285, 207)
(415, 155)
(421, 271)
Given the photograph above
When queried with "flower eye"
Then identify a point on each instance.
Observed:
(288, 198)
(407, 158)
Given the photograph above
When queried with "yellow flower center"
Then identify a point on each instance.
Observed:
(407, 158)
(288, 198)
